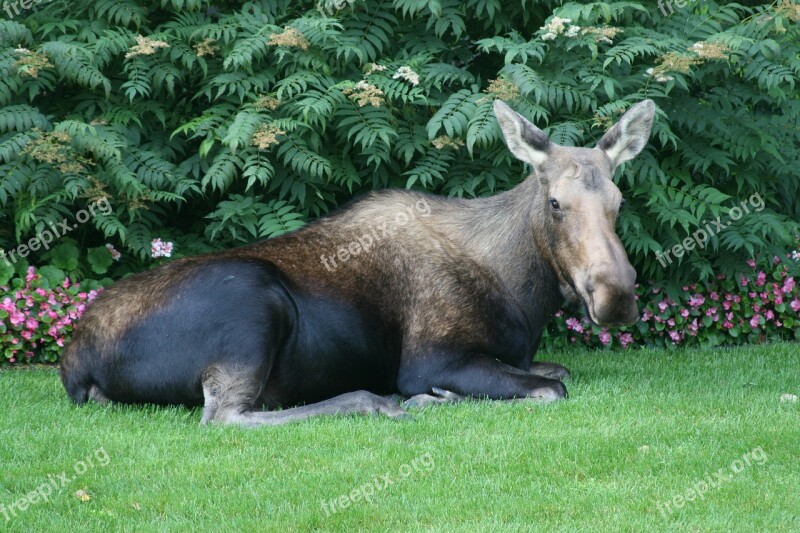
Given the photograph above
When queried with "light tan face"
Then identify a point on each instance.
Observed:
(576, 208)
(578, 220)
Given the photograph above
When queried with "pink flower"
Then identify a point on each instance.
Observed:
(714, 296)
(647, 315)
(662, 305)
(625, 339)
(769, 314)
(31, 275)
(671, 322)
(684, 313)
(574, 324)
(559, 313)
(754, 321)
(727, 325)
(788, 285)
(31, 323)
(16, 318)
(696, 300)
(7, 305)
(711, 311)
(744, 281)
(605, 337)
(27, 335)
(158, 248)
(795, 305)
(761, 279)
(675, 336)
(751, 263)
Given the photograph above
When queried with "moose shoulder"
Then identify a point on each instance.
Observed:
(398, 292)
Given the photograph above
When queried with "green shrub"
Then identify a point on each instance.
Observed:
(210, 125)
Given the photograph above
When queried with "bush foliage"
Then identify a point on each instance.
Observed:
(209, 125)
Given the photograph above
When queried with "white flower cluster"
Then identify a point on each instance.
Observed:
(661, 78)
(555, 28)
(407, 74)
(159, 248)
(796, 255)
(115, 255)
(373, 67)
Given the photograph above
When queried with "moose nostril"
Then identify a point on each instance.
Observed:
(590, 288)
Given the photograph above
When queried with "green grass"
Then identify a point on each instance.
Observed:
(639, 428)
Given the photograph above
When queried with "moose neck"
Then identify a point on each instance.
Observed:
(498, 231)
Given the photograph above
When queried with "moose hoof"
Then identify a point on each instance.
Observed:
(439, 396)
(550, 370)
(549, 393)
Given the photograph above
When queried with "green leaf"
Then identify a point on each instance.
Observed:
(99, 259)
(64, 256)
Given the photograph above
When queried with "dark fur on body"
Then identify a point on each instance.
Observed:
(451, 303)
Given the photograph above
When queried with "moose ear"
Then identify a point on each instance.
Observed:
(527, 142)
(628, 137)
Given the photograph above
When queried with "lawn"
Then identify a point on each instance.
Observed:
(631, 449)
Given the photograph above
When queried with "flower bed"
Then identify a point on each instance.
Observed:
(758, 307)
(36, 318)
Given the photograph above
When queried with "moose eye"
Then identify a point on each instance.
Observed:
(554, 203)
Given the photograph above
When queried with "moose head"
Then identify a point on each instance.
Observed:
(575, 209)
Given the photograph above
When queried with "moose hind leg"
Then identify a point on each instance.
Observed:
(231, 395)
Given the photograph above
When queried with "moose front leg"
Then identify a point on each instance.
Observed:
(475, 376)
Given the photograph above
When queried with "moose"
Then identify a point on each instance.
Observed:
(448, 305)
